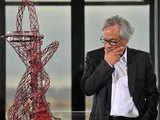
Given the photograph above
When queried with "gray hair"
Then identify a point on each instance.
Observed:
(125, 28)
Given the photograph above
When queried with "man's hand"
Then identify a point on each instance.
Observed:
(113, 56)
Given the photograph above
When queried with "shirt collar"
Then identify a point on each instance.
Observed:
(124, 57)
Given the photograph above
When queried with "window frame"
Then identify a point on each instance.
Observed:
(117, 3)
(77, 47)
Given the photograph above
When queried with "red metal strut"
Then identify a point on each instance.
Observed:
(30, 102)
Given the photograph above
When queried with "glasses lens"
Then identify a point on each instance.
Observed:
(114, 42)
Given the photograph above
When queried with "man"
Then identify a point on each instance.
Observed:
(121, 79)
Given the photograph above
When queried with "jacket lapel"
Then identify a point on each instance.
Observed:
(131, 70)
(102, 54)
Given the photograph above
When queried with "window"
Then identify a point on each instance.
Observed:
(67, 19)
(95, 16)
(59, 66)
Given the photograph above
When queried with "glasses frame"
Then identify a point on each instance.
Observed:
(112, 41)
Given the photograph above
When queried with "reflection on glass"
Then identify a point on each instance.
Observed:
(114, 0)
(138, 16)
(58, 68)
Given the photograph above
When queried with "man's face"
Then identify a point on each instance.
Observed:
(112, 33)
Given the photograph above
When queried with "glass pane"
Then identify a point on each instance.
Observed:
(95, 16)
(58, 68)
(40, 0)
(114, 0)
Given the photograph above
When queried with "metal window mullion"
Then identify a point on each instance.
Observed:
(2, 63)
(41, 3)
(77, 20)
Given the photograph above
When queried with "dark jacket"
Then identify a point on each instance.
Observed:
(97, 81)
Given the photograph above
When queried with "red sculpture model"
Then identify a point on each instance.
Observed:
(30, 102)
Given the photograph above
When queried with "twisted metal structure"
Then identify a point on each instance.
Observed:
(30, 102)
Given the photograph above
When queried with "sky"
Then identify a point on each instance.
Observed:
(54, 25)
(138, 16)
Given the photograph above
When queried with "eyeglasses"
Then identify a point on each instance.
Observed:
(112, 42)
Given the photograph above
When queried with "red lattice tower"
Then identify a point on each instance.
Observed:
(30, 102)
